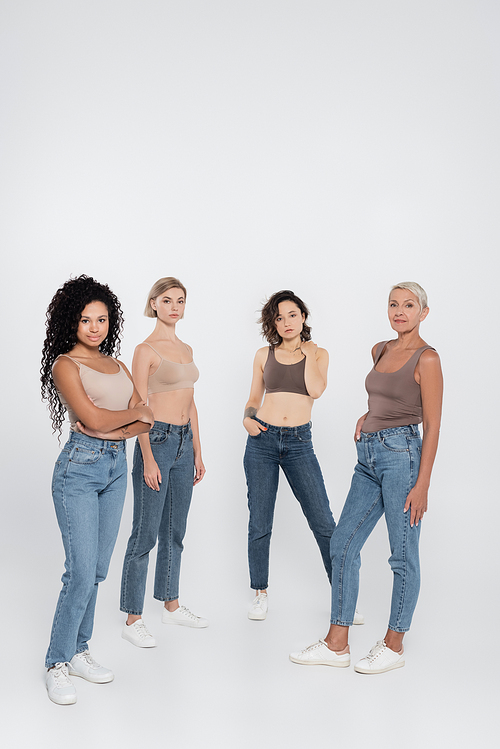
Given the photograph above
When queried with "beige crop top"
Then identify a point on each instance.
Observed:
(111, 391)
(394, 398)
(171, 375)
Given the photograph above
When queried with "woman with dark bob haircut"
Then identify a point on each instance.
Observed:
(80, 376)
(289, 374)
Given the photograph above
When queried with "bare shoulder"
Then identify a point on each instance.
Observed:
(429, 359)
(375, 348)
(321, 353)
(144, 350)
(64, 366)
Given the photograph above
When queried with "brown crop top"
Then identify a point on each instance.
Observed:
(394, 398)
(171, 375)
(284, 378)
(112, 391)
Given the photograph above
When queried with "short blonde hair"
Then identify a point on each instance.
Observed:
(160, 287)
(416, 289)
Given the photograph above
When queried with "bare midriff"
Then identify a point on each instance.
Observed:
(172, 407)
(285, 409)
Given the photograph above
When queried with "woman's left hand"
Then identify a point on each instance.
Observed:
(417, 501)
(199, 471)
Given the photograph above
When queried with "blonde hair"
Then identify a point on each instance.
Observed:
(416, 289)
(160, 287)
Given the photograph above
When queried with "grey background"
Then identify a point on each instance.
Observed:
(334, 148)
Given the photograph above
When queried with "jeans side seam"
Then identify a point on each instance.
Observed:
(126, 566)
(346, 547)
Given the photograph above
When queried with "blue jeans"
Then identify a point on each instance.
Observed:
(387, 468)
(159, 515)
(292, 449)
(88, 488)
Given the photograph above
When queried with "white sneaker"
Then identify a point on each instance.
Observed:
(319, 654)
(82, 664)
(358, 618)
(258, 609)
(138, 634)
(59, 686)
(380, 659)
(184, 617)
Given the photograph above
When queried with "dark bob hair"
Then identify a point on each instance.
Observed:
(63, 316)
(270, 312)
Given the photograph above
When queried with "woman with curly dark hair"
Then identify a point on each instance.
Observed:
(289, 374)
(79, 375)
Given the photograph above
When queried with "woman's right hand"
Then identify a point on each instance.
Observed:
(253, 427)
(145, 413)
(359, 424)
(152, 475)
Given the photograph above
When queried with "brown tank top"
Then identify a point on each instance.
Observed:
(394, 398)
(111, 391)
(284, 378)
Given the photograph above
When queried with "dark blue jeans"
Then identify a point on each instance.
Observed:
(387, 468)
(159, 515)
(291, 449)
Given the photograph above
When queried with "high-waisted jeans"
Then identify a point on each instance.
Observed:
(159, 515)
(88, 488)
(292, 449)
(387, 468)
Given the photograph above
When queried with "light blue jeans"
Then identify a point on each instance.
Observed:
(88, 489)
(159, 515)
(387, 468)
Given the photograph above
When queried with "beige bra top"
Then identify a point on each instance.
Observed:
(111, 391)
(171, 375)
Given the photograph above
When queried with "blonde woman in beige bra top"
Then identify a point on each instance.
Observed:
(167, 464)
(288, 376)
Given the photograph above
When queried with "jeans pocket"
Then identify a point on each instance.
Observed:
(395, 443)
(84, 456)
(157, 436)
(305, 436)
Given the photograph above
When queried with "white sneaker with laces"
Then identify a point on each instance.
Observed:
(83, 665)
(380, 659)
(319, 654)
(358, 618)
(138, 634)
(184, 617)
(258, 609)
(60, 688)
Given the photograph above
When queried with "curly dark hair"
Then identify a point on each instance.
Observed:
(270, 312)
(63, 316)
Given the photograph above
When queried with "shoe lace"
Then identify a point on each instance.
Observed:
(141, 629)
(60, 674)
(259, 600)
(184, 610)
(376, 651)
(314, 646)
(85, 656)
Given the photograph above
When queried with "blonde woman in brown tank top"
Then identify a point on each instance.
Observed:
(80, 376)
(288, 376)
(167, 464)
(391, 478)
